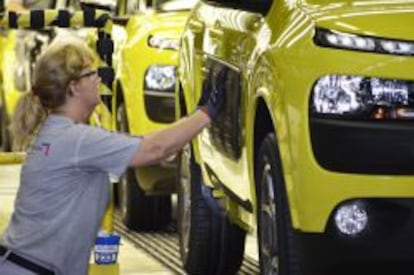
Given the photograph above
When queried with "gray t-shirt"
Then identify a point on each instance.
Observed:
(64, 192)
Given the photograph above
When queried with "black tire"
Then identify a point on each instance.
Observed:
(5, 139)
(138, 211)
(209, 243)
(278, 251)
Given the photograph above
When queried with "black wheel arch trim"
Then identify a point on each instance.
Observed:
(246, 204)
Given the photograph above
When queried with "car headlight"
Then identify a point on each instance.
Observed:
(159, 42)
(160, 77)
(357, 96)
(336, 39)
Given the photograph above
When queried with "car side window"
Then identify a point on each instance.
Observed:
(261, 6)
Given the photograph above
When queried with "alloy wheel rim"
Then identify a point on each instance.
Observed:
(121, 123)
(268, 229)
(124, 196)
(185, 186)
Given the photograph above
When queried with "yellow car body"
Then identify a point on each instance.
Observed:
(327, 86)
(145, 83)
(138, 57)
(9, 57)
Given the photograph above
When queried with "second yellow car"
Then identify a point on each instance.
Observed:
(146, 78)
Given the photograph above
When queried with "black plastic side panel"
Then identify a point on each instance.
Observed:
(226, 130)
(160, 109)
(362, 147)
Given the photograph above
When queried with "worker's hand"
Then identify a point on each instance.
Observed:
(213, 95)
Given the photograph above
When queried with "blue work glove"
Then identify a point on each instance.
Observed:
(213, 95)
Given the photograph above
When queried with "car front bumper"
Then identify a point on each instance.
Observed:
(385, 247)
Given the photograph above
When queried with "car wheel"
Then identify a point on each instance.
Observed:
(277, 247)
(138, 211)
(209, 243)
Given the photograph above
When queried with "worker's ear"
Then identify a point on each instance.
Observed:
(73, 88)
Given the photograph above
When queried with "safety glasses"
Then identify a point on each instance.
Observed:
(87, 74)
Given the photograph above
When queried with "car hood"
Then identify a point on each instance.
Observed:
(171, 22)
(383, 18)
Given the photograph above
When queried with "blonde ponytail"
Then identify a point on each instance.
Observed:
(28, 116)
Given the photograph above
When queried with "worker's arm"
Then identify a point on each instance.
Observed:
(159, 145)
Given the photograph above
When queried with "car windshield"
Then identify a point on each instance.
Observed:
(174, 5)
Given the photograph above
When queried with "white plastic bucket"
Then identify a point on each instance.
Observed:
(106, 249)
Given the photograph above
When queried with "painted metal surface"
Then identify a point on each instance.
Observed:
(279, 64)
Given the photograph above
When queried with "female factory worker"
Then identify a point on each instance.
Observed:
(64, 186)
